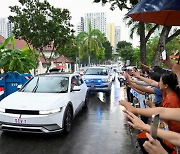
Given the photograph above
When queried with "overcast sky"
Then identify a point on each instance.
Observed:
(78, 8)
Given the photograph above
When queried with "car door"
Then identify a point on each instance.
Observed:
(76, 96)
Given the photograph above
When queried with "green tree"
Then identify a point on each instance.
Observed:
(171, 48)
(125, 51)
(101, 54)
(42, 25)
(108, 50)
(70, 50)
(164, 36)
(16, 60)
(91, 42)
(144, 30)
(136, 57)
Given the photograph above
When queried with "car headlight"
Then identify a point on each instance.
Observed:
(86, 80)
(51, 111)
(105, 80)
(2, 110)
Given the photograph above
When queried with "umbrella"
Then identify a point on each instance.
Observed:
(163, 12)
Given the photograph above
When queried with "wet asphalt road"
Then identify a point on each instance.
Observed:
(99, 130)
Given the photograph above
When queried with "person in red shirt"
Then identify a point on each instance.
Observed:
(170, 92)
(171, 99)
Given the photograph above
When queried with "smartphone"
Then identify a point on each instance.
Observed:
(154, 125)
(164, 55)
(147, 96)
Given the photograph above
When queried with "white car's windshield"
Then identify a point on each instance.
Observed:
(96, 71)
(47, 84)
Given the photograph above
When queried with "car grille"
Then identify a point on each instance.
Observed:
(6, 128)
(27, 112)
(95, 81)
(30, 128)
(96, 86)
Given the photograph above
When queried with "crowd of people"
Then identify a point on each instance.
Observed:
(157, 91)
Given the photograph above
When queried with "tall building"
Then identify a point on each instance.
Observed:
(117, 35)
(3, 27)
(9, 29)
(98, 21)
(80, 26)
(111, 34)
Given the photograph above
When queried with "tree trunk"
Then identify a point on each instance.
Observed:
(142, 43)
(162, 41)
(89, 59)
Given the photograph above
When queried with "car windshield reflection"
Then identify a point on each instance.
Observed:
(47, 84)
(96, 71)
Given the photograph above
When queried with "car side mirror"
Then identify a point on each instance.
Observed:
(19, 86)
(76, 88)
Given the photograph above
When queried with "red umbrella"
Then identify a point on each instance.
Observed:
(163, 12)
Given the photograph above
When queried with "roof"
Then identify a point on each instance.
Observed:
(2, 39)
(60, 59)
(19, 44)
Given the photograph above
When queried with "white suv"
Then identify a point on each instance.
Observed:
(98, 79)
(47, 103)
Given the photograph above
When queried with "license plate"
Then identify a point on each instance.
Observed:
(92, 86)
(20, 121)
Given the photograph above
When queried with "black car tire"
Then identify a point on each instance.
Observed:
(108, 93)
(86, 103)
(67, 122)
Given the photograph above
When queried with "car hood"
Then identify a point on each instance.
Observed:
(34, 101)
(95, 77)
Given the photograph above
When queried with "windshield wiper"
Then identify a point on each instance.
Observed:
(36, 86)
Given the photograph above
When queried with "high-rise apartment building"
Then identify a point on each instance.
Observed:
(111, 34)
(80, 26)
(9, 29)
(98, 21)
(3, 27)
(117, 35)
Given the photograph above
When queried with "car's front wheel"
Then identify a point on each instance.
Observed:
(86, 103)
(108, 93)
(68, 116)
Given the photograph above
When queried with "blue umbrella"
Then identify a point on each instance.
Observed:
(163, 12)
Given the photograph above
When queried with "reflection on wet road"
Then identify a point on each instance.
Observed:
(98, 130)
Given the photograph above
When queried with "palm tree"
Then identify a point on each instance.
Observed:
(144, 30)
(90, 41)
